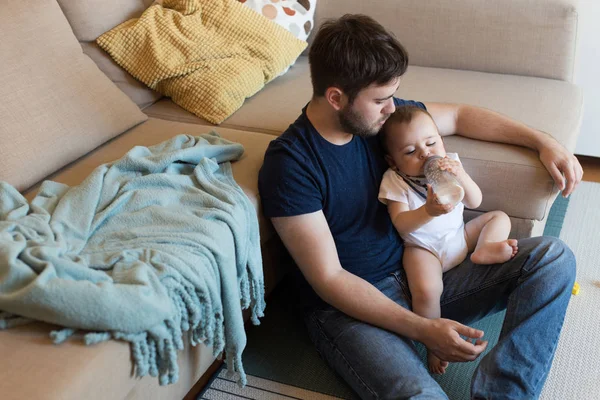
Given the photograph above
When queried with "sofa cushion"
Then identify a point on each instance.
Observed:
(153, 131)
(88, 25)
(69, 371)
(139, 93)
(520, 37)
(550, 105)
(32, 367)
(57, 104)
(91, 18)
(207, 55)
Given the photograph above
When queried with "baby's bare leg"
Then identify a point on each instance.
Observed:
(487, 238)
(424, 273)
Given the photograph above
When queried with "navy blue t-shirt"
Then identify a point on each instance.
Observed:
(304, 173)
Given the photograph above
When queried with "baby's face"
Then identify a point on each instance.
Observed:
(410, 144)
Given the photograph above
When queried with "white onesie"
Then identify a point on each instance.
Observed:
(444, 235)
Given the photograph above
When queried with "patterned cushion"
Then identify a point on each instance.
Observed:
(294, 15)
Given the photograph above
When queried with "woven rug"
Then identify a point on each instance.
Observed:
(575, 373)
(283, 364)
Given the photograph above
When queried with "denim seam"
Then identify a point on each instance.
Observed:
(337, 350)
(404, 287)
(480, 288)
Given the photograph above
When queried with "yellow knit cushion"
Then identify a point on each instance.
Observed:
(207, 55)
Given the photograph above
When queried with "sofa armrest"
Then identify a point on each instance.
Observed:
(519, 37)
(511, 178)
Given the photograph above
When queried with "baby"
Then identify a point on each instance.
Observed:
(435, 237)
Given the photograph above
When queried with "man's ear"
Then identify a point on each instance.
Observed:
(335, 97)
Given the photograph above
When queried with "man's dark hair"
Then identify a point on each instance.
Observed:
(402, 115)
(353, 52)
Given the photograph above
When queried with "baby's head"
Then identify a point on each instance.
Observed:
(408, 137)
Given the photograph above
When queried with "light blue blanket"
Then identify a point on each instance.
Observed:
(160, 242)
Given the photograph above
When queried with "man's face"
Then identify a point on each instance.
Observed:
(371, 108)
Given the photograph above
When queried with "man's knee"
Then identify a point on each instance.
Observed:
(551, 254)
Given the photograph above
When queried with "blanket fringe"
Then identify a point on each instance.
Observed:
(156, 354)
(235, 369)
(59, 336)
(8, 320)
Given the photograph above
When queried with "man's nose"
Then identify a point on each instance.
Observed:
(389, 108)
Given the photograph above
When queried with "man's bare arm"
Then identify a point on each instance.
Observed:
(309, 241)
(483, 124)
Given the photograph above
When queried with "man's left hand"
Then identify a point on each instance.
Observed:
(563, 166)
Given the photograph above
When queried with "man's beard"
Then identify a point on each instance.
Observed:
(353, 123)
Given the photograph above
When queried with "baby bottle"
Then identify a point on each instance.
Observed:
(443, 183)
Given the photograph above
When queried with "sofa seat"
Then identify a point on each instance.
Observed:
(73, 371)
(544, 104)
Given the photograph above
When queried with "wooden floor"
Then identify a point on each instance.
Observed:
(591, 168)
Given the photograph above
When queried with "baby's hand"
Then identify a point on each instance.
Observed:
(452, 166)
(433, 206)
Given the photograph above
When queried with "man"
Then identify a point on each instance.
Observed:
(319, 186)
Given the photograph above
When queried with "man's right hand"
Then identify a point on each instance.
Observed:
(444, 338)
(433, 206)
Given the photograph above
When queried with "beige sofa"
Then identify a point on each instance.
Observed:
(61, 117)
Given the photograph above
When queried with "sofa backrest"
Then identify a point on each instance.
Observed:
(90, 19)
(520, 37)
(56, 104)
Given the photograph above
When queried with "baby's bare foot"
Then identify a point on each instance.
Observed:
(495, 252)
(436, 366)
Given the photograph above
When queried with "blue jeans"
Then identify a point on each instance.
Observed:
(534, 288)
